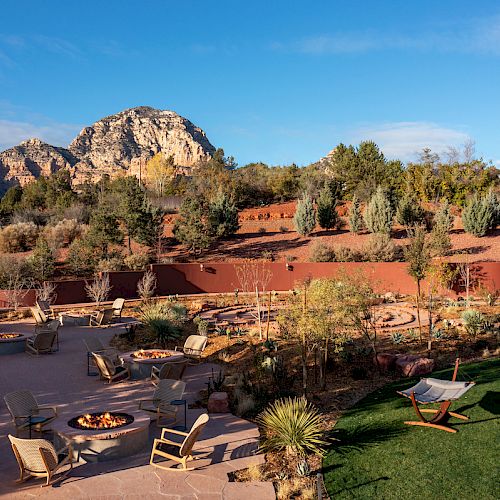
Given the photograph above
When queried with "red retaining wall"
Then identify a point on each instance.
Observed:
(220, 278)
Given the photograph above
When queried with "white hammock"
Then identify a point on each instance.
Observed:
(433, 390)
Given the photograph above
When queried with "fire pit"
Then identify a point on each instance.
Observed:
(12, 343)
(140, 362)
(106, 420)
(104, 435)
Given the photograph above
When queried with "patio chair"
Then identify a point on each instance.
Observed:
(42, 343)
(94, 344)
(432, 390)
(39, 458)
(102, 318)
(26, 412)
(49, 327)
(172, 371)
(118, 308)
(110, 369)
(159, 405)
(194, 346)
(44, 307)
(40, 317)
(185, 449)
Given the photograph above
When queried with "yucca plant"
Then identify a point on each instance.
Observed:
(293, 425)
(163, 319)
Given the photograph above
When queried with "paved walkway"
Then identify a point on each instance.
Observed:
(228, 443)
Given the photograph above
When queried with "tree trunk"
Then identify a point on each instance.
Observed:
(268, 317)
(258, 312)
(323, 361)
(304, 370)
(429, 343)
(418, 311)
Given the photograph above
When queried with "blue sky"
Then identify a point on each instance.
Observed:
(272, 81)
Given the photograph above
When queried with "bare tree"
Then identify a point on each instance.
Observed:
(147, 286)
(98, 289)
(18, 287)
(254, 278)
(465, 278)
(47, 291)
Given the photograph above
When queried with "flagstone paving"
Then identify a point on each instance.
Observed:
(228, 443)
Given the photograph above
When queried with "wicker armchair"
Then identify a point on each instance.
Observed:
(109, 369)
(26, 412)
(185, 448)
(159, 405)
(172, 371)
(39, 458)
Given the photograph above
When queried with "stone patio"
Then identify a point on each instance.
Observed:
(228, 443)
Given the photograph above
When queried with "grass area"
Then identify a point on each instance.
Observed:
(378, 456)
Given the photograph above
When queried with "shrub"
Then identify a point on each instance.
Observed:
(305, 216)
(378, 213)
(262, 230)
(82, 258)
(478, 216)
(473, 321)
(440, 241)
(42, 260)
(294, 425)
(409, 212)
(223, 216)
(283, 229)
(18, 237)
(355, 218)
(163, 320)
(146, 286)
(320, 252)
(136, 261)
(63, 233)
(380, 248)
(112, 263)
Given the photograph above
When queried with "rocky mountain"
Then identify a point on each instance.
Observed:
(120, 143)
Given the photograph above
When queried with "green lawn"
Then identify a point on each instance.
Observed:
(380, 457)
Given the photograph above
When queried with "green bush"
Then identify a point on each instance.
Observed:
(305, 216)
(163, 320)
(82, 258)
(112, 263)
(409, 212)
(473, 321)
(42, 260)
(63, 233)
(293, 425)
(320, 252)
(136, 261)
(380, 248)
(478, 216)
(18, 237)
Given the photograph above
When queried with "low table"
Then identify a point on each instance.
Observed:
(141, 368)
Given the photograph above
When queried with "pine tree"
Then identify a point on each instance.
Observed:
(327, 213)
(223, 216)
(104, 229)
(355, 218)
(409, 212)
(440, 241)
(192, 227)
(305, 216)
(42, 260)
(378, 213)
(478, 216)
(443, 217)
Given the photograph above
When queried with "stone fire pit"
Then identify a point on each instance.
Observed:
(12, 342)
(128, 437)
(141, 361)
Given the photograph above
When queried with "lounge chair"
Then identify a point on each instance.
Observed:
(42, 343)
(102, 318)
(39, 458)
(110, 369)
(94, 344)
(159, 405)
(185, 449)
(26, 412)
(44, 307)
(172, 371)
(51, 326)
(194, 346)
(118, 308)
(432, 390)
(40, 317)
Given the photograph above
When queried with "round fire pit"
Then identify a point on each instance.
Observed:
(141, 361)
(102, 436)
(12, 342)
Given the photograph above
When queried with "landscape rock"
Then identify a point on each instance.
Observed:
(411, 365)
(385, 361)
(218, 403)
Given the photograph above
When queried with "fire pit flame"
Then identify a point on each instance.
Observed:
(150, 354)
(103, 420)
(10, 335)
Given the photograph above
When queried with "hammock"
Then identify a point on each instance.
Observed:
(433, 390)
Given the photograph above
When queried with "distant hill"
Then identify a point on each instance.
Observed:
(120, 143)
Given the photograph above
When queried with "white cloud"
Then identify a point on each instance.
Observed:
(403, 140)
(57, 134)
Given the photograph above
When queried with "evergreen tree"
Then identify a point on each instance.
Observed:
(443, 217)
(104, 229)
(305, 216)
(192, 228)
(42, 260)
(327, 213)
(492, 200)
(478, 216)
(223, 216)
(355, 218)
(378, 213)
(440, 241)
(409, 212)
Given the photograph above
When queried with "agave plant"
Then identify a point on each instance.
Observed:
(163, 319)
(293, 425)
(397, 337)
(473, 321)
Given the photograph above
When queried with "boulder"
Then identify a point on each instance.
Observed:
(218, 403)
(411, 365)
(385, 361)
